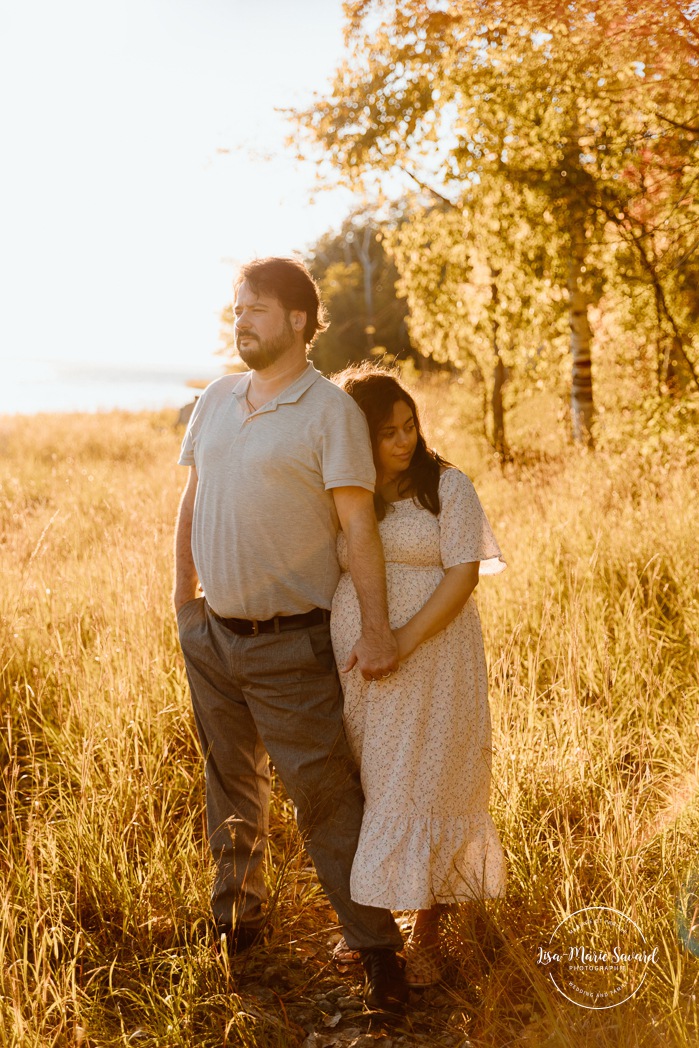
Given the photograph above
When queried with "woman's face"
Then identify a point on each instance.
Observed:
(396, 441)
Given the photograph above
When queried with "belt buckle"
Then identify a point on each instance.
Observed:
(255, 628)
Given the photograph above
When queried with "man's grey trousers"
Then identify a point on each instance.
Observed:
(276, 694)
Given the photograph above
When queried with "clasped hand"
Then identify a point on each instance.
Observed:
(375, 655)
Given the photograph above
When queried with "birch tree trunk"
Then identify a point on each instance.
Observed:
(582, 403)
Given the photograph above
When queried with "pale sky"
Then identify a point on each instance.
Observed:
(121, 213)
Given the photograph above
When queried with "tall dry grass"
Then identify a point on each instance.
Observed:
(592, 637)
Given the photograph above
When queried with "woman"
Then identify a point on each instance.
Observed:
(421, 735)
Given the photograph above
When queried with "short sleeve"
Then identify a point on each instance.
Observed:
(347, 459)
(465, 534)
(215, 393)
(187, 450)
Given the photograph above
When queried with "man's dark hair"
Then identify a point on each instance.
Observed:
(289, 281)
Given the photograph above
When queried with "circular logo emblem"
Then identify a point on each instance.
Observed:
(597, 957)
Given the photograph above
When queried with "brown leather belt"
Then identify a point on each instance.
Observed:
(279, 624)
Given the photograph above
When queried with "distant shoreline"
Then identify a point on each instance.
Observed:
(92, 391)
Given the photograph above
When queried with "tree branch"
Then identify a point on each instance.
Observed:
(688, 24)
(682, 127)
(429, 189)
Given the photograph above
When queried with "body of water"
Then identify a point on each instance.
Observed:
(30, 387)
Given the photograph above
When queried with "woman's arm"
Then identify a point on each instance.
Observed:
(442, 608)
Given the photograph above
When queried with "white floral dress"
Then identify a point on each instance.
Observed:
(422, 736)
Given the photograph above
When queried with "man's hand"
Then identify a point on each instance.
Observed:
(375, 654)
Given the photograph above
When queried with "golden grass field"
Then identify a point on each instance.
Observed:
(592, 637)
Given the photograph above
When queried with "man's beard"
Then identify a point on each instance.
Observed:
(267, 351)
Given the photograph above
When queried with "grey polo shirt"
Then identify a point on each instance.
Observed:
(265, 526)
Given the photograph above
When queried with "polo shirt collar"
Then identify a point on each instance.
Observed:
(289, 395)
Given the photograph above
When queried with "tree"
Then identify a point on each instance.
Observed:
(546, 97)
(358, 284)
(471, 298)
(653, 207)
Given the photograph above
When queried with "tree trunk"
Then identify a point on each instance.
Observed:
(677, 369)
(363, 252)
(582, 403)
(497, 408)
(499, 375)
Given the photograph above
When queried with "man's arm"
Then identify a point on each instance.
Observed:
(185, 573)
(376, 651)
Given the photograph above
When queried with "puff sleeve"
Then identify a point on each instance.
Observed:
(465, 534)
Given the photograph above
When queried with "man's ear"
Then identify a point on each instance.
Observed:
(298, 319)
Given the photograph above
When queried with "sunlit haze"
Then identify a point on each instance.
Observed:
(143, 158)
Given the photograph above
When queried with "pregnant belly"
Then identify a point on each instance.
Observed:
(408, 589)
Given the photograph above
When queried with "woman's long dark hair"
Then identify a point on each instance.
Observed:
(376, 389)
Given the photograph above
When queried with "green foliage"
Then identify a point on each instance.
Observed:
(358, 284)
(480, 282)
(663, 430)
(565, 138)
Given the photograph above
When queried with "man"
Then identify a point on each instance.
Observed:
(279, 457)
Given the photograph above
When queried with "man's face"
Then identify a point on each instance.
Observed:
(263, 331)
